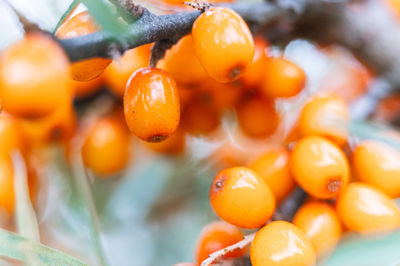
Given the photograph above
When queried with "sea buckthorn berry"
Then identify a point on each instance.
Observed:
(7, 196)
(216, 236)
(326, 116)
(11, 137)
(86, 88)
(34, 77)
(224, 44)
(107, 146)
(319, 221)
(151, 104)
(118, 73)
(282, 78)
(257, 117)
(221, 95)
(281, 244)
(319, 167)
(200, 118)
(253, 76)
(79, 25)
(175, 144)
(366, 209)
(182, 63)
(241, 197)
(378, 164)
(273, 166)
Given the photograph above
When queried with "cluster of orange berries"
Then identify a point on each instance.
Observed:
(218, 66)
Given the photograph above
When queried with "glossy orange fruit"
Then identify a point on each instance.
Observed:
(366, 209)
(326, 116)
(86, 88)
(281, 244)
(378, 164)
(282, 78)
(34, 77)
(257, 117)
(120, 70)
(273, 166)
(241, 197)
(216, 236)
(151, 104)
(224, 44)
(319, 221)
(175, 144)
(79, 25)
(182, 63)
(319, 167)
(107, 146)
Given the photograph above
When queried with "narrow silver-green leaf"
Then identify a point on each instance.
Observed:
(70, 8)
(16, 247)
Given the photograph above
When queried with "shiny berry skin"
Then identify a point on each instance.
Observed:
(34, 77)
(79, 25)
(106, 149)
(319, 221)
(241, 197)
(216, 236)
(257, 117)
(366, 209)
(273, 166)
(182, 63)
(326, 116)
(281, 244)
(282, 78)
(151, 104)
(116, 76)
(319, 167)
(378, 164)
(224, 44)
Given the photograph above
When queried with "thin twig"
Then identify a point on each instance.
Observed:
(239, 245)
(27, 25)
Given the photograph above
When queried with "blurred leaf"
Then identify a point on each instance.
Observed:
(69, 10)
(17, 247)
(367, 252)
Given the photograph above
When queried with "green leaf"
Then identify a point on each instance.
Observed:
(16, 247)
(70, 8)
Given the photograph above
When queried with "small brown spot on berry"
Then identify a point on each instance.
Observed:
(219, 184)
(235, 72)
(157, 138)
(334, 184)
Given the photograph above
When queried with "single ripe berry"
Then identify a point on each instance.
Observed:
(173, 145)
(116, 76)
(86, 88)
(224, 44)
(319, 167)
(282, 78)
(79, 25)
(257, 117)
(7, 196)
(34, 77)
(326, 116)
(319, 221)
(366, 209)
(273, 166)
(241, 197)
(281, 244)
(182, 63)
(216, 236)
(11, 137)
(151, 104)
(378, 164)
(254, 74)
(107, 146)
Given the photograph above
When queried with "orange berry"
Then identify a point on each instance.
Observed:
(107, 146)
(365, 209)
(216, 236)
(7, 196)
(319, 221)
(86, 88)
(257, 117)
(223, 42)
(120, 70)
(378, 164)
(11, 137)
(253, 76)
(200, 118)
(281, 244)
(182, 63)
(325, 116)
(319, 167)
(222, 95)
(151, 104)
(273, 166)
(79, 25)
(175, 144)
(282, 78)
(241, 197)
(33, 77)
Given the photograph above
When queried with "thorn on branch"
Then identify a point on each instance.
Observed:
(27, 25)
(159, 49)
